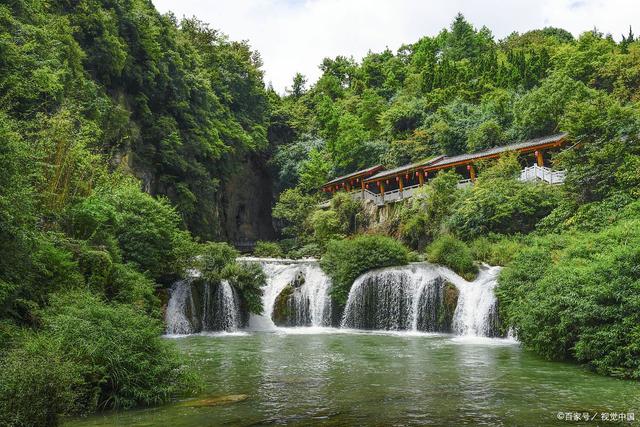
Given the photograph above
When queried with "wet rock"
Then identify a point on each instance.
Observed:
(299, 280)
(283, 307)
(214, 401)
(450, 296)
(291, 307)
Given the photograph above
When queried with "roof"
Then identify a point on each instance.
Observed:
(518, 146)
(407, 168)
(442, 161)
(370, 170)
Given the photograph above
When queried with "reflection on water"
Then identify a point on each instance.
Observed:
(323, 376)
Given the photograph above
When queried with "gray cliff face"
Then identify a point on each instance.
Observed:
(237, 211)
(245, 205)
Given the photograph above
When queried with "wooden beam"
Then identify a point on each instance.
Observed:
(474, 159)
(494, 156)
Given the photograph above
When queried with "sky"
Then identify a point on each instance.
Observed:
(295, 35)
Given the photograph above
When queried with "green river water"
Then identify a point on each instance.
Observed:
(307, 377)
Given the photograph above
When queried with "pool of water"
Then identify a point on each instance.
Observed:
(336, 377)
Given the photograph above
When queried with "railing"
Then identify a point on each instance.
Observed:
(395, 195)
(542, 173)
(532, 173)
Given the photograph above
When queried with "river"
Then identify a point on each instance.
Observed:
(338, 377)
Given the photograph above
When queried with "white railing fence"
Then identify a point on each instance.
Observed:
(542, 173)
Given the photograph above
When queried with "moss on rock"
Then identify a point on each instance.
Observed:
(447, 309)
(282, 308)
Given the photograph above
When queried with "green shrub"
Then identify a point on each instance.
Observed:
(248, 279)
(129, 286)
(453, 253)
(345, 260)
(502, 205)
(424, 217)
(415, 229)
(592, 216)
(213, 257)
(118, 350)
(349, 213)
(89, 356)
(326, 226)
(96, 266)
(38, 384)
(575, 296)
(147, 230)
(268, 250)
(94, 220)
(132, 226)
(495, 249)
(53, 269)
(311, 250)
(9, 335)
(217, 262)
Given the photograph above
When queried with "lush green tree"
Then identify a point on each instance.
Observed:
(539, 111)
(424, 217)
(292, 209)
(287, 161)
(575, 297)
(298, 86)
(268, 249)
(499, 203)
(314, 171)
(488, 134)
(453, 253)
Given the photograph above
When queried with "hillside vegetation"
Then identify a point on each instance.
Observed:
(571, 264)
(121, 127)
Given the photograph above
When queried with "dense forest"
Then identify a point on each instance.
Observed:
(124, 135)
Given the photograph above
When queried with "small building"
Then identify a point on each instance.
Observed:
(385, 186)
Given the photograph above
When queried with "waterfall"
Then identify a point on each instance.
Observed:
(296, 294)
(180, 309)
(220, 309)
(311, 301)
(476, 313)
(279, 275)
(417, 297)
(195, 306)
(423, 297)
(398, 298)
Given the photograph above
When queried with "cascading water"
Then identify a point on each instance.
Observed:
(476, 313)
(418, 297)
(423, 297)
(181, 309)
(296, 294)
(195, 307)
(220, 309)
(315, 295)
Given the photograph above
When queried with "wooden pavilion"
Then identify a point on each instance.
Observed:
(378, 181)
